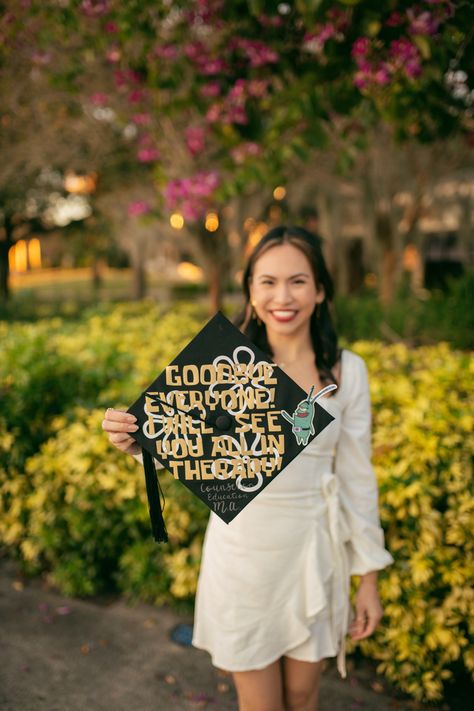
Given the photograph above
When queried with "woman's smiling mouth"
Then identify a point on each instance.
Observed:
(283, 314)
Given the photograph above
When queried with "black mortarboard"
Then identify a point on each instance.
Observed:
(224, 420)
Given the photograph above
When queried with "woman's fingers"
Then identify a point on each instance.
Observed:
(119, 421)
(118, 437)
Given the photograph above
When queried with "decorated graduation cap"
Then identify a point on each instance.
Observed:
(224, 420)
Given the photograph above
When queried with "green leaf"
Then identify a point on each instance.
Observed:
(423, 45)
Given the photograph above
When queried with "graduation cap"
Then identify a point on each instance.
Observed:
(224, 420)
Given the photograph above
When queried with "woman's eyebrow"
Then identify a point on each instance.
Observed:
(293, 276)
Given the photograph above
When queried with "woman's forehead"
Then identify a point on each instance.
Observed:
(282, 260)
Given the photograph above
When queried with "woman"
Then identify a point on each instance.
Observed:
(273, 593)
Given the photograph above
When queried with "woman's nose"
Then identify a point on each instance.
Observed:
(282, 294)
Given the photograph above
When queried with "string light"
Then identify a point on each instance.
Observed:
(279, 192)
(177, 221)
(212, 222)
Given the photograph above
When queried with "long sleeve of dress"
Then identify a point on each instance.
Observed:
(357, 482)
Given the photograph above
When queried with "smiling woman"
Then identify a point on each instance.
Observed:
(272, 600)
(270, 612)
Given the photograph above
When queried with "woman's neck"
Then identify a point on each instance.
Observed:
(292, 348)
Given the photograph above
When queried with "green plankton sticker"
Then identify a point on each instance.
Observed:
(302, 419)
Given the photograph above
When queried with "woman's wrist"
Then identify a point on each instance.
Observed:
(369, 578)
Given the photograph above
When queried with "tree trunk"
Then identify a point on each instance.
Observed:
(6, 241)
(388, 256)
(215, 250)
(215, 288)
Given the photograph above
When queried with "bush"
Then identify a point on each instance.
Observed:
(74, 508)
(441, 315)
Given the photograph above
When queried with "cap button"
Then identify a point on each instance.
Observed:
(223, 422)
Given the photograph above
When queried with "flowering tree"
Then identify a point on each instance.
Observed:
(221, 98)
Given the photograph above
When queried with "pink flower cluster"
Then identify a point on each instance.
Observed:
(195, 139)
(138, 208)
(99, 99)
(245, 150)
(147, 150)
(207, 65)
(124, 78)
(232, 108)
(166, 51)
(142, 119)
(210, 90)
(94, 8)
(314, 41)
(422, 22)
(257, 53)
(191, 195)
(205, 12)
(403, 56)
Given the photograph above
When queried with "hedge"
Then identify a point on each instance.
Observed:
(74, 509)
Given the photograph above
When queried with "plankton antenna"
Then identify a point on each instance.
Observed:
(322, 392)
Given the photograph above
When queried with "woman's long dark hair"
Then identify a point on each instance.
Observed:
(323, 333)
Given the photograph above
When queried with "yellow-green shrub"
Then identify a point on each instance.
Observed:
(77, 508)
(422, 452)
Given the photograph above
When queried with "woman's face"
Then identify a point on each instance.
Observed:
(283, 290)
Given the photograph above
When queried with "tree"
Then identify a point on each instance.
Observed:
(225, 98)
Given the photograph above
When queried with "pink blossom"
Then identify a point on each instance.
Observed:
(168, 51)
(271, 20)
(213, 66)
(99, 99)
(113, 55)
(235, 114)
(111, 27)
(125, 77)
(257, 87)
(256, 52)
(360, 47)
(141, 119)
(244, 150)
(147, 150)
(41, 57)
(137, 208)
(135, 96)
(413, 68)
(195, 139)
(395, 19)
(422, 23)
(148, 155)
(360, 80)
(94, 8)
(211, 89)
(213, 113)
(191, 195)
(315, 41)
(405, 56)
(238, 90)
(195, 50)
(382, 76)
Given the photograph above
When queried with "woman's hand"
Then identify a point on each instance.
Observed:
(368, 609)
(118, 424)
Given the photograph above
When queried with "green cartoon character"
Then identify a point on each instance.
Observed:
(302, 418)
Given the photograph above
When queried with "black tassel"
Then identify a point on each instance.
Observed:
(153, 491)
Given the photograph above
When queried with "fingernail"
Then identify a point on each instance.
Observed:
(132, 418)
(134, 428)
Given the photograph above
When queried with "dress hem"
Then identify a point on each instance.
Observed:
(262, 665)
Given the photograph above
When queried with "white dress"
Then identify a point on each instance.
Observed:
(275, 581)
